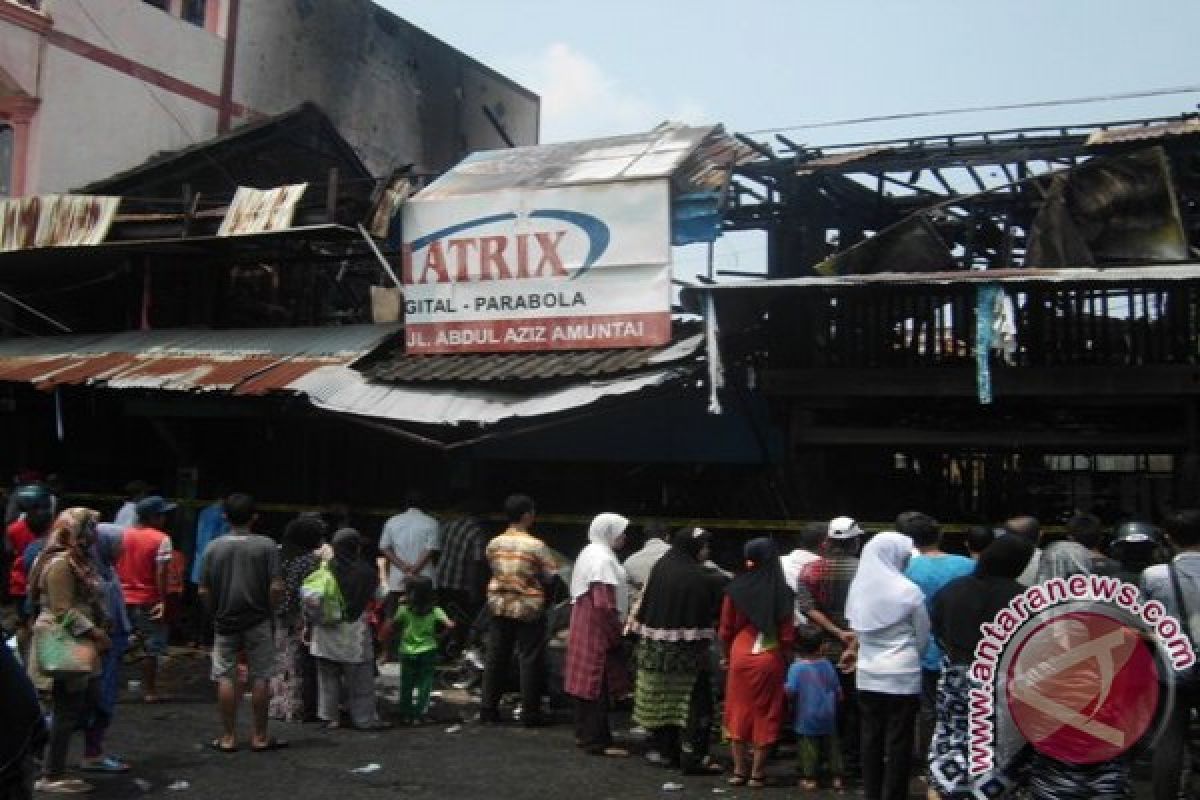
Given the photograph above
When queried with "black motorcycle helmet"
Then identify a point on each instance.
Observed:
(1136, 542)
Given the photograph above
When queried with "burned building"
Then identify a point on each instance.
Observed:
(977, 324)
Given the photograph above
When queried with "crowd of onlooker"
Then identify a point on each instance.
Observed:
(856, 647)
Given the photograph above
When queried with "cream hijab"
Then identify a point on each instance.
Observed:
(598, 563)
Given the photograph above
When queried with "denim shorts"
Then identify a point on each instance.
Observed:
(153, 632)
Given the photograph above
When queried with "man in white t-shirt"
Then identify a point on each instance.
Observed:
(410, 543)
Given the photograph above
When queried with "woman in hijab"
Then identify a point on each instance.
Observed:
(65, 586)
(887, 611)
(756, 632)
(105, 553)
(344, 650)
(294, 687)
(675, 622)
(959, 610)
(595, 670)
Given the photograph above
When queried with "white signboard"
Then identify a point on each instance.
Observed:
(573, 268)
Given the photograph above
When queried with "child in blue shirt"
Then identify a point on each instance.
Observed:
(815, 691)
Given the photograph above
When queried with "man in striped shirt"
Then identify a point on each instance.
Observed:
(521, 567)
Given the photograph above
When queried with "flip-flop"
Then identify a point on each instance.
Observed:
(104, 764)
(62, 786)
(216, 744)
(272, 744)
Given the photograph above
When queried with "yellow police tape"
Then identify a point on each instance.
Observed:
(716, 524)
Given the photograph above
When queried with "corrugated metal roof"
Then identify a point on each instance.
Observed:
(243, 362)
(1132, 274)
(500, 367)
(1141, 133)
(698, 158)
(840, 159)
(346, 391)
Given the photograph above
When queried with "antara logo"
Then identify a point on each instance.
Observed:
(445, 256)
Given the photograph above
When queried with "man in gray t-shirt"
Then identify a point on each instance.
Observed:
(1183, 529)
(241, 585)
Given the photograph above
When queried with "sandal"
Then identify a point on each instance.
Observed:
(736, 780)
(221, 747)
(809, 785)
(103, 764)
(271, 744)
(708, 766)
(756, 782)
(62, 786)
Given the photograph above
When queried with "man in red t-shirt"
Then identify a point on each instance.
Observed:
(142, 568)
(33, 524)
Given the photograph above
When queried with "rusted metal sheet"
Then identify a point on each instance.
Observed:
(525, 367)
(261, 210)
(251, 362)
(835, 160)
(57, 220)
(283, 375)
(1142, 133)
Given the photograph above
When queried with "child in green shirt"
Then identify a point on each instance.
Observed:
(418, 623)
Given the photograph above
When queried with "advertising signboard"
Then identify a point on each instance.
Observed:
(569, 268)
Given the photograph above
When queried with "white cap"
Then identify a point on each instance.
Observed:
(844, 528)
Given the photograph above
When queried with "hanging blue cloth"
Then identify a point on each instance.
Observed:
(985, 303)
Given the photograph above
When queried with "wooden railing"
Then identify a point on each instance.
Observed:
(1068, 326)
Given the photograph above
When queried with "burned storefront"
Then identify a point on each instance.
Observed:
(259, 311)
(977, 324)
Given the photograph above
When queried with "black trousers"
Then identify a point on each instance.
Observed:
(69, 707)
(927, 720)
(688, 746)
(592, 732)
(1170, 749)
(529, 638)
(886, 743)
(847, 721)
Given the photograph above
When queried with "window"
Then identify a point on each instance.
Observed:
(7, 139)
(193, 11)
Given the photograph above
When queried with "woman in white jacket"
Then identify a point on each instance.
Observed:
(887, 612)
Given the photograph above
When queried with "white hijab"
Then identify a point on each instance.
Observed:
(598, 563)
(880, 595)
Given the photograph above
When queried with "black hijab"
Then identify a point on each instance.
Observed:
(302, 535)
(969, 602)
(356, 577)
(762, 594)
(681, 594)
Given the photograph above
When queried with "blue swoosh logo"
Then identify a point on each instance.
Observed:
(597, 233)
(429, 238)
(594, 228)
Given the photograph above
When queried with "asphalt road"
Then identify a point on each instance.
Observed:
(449, 759)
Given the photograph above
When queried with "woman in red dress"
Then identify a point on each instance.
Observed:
(756, 638)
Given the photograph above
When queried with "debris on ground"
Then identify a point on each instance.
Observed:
(366, 769)
(454, 729)
(143, 784)
(179, 786)
(672, 786)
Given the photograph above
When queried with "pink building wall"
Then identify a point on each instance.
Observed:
(93, 88)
